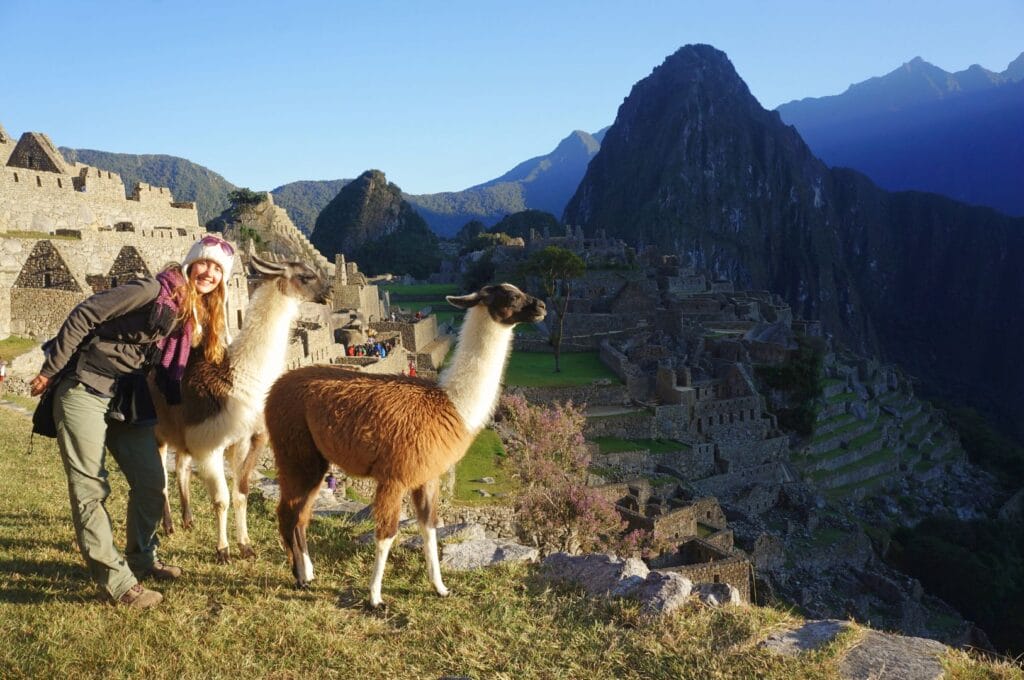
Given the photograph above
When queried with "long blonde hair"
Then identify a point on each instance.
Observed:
(208, 312)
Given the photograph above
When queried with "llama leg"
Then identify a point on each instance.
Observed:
(183, 466)
(211, 469)
(168, 521)
(387, 506)
(299, 484)
(424, 499)
(239, 498)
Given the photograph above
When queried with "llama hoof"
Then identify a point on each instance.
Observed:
(168, 528)
(186, 523)
(246, 551)
(301, 585)
(378, 608)
(223, 556)
(442, 591)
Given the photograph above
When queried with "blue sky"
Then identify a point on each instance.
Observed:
(438, 95)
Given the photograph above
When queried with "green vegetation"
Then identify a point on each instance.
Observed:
(615, 445)
(427, 291)
(520, 223)
(533, 369)
(482, 460)
(14, 346)
(498, 622)
(555, 268)
(977, 566)
(988, 448)
(304, 200)
(843, 396)
(800, 377)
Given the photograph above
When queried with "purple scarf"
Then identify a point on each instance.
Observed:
(173, 348)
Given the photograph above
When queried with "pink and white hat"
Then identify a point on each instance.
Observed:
(214, 248)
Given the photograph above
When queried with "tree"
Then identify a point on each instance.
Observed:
(555, 268)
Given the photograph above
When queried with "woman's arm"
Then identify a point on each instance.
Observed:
(89, 314)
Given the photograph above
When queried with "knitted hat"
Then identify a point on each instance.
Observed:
(214, 248)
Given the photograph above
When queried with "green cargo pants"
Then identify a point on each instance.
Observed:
(83, 435)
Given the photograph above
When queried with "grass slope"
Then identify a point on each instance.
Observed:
(245, 620)
(537, 369)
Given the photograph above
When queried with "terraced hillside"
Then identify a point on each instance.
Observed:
(869, 434)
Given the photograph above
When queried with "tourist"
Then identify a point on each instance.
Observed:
(99, 355)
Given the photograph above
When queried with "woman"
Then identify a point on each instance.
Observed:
(113, 337)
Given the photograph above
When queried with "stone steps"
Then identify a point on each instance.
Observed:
(840, 458)
(836, 440)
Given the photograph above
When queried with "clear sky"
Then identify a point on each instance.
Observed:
(439, 95)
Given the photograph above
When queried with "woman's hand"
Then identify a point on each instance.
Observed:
(38, 385)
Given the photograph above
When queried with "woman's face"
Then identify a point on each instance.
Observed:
(205, 275)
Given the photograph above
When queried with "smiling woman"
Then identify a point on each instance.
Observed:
(96, 398)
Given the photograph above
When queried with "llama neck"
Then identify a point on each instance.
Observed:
(258, 353)
(473, 380)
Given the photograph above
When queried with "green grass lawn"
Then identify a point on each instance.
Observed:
(482, 460)
(615, 445)
(424, 290)
(15, 346)
(537, 369)
(244, 619)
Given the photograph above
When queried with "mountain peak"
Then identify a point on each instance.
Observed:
(1015, 69)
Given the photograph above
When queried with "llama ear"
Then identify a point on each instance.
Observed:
(261, 266)
(464, 301)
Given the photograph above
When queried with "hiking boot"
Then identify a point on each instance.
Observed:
(139, 598)
(160, 572)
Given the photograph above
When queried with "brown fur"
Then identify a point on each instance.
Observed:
(323, 413)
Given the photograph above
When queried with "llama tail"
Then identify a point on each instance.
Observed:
(257, 444)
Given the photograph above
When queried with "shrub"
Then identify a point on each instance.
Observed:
(546, 450)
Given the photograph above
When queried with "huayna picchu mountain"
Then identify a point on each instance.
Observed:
(694, 165)
(370, 222)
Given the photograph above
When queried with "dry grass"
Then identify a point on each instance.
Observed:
(245, 620)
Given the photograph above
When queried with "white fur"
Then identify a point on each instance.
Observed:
(433, 564)
(383, 548)
(307, 566)
(473, 380)
(257, 357)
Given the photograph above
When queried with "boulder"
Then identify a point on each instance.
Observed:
(485, 552)
(663, 592)
(808, 637)
(891, 657)
(717, 594)
(598, 574)
(449, 534)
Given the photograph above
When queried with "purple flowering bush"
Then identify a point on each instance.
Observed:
(549, 457)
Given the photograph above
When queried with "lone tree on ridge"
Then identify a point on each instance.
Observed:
(556, 268)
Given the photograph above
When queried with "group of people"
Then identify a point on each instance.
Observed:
(370, 349)
(108, 342)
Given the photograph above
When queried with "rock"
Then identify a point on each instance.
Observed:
(450, 533)
(370, 537)
(891, 657)
(859, 410)
(483, 493)
(598, 574)
(806, 638)
(717, 594)
(485, 552)
(484, 480)
(663, 592)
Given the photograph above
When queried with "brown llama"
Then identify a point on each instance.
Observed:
(402, 431)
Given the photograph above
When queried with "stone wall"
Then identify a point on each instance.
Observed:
(416, 335)
(499, 521)
(637, 424)
(751, 454)
(719, 485)
(32, 200)
(39, 313)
